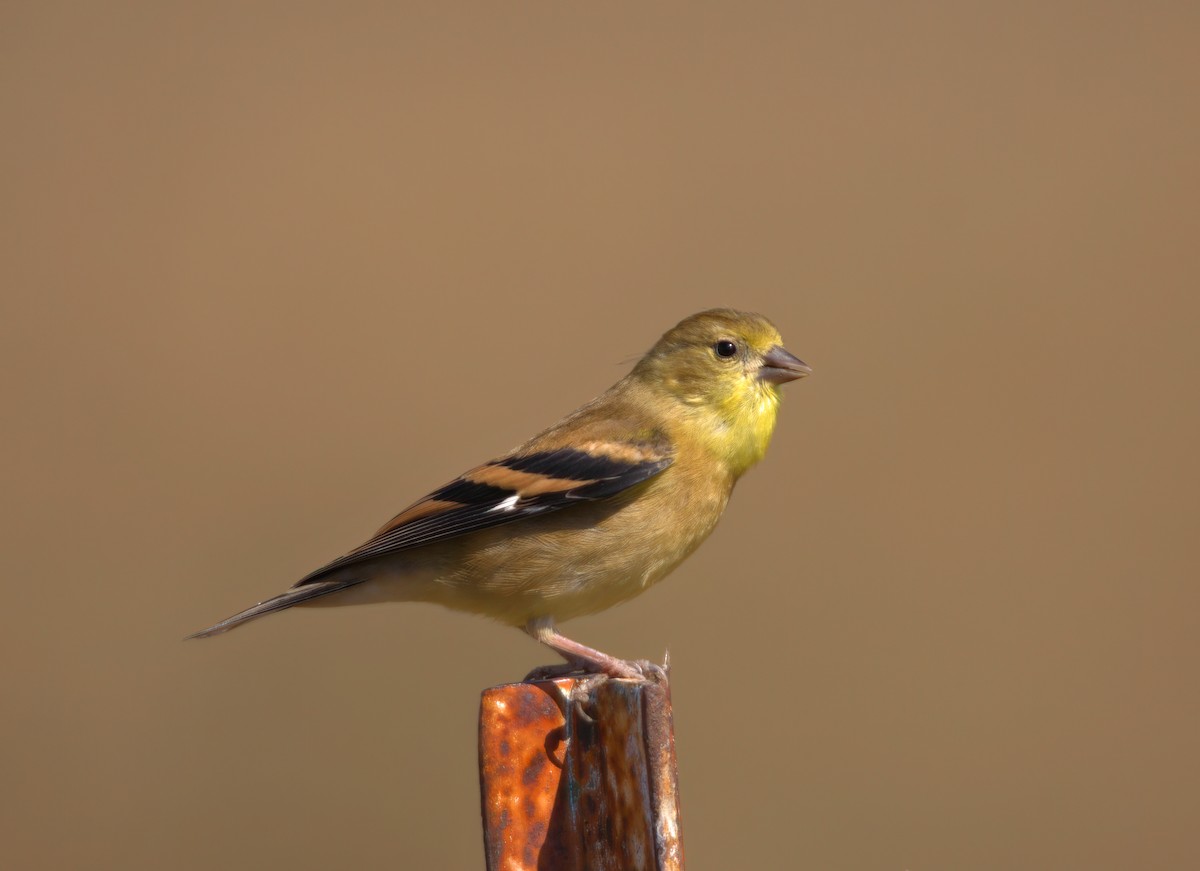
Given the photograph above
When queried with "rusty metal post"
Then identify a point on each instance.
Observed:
(593, 789)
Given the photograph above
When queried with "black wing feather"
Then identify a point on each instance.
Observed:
(472, 506)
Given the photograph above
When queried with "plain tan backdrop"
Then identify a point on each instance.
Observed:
(272, 271)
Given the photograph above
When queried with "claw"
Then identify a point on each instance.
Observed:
(652, 671)
(582, 691)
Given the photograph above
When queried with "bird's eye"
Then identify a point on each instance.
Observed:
(725, 348)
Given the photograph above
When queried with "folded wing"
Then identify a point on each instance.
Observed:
(510, 489)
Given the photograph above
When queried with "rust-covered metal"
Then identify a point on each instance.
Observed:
(589, 785)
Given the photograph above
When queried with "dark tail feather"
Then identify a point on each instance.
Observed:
(294, 596)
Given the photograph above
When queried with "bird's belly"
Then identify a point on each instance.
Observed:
(579, 562)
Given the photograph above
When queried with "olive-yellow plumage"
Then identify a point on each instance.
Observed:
(591, 511)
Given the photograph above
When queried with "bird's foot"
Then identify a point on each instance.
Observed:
(587, 660)
(608, 667)
(652, 671)
(562, 669)
(589, 675)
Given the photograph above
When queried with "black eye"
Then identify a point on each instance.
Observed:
(725, 348)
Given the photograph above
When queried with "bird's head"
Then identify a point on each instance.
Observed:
(725, 366)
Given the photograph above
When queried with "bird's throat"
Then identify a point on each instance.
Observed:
(743, 431)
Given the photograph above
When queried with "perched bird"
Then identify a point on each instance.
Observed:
(589, 512)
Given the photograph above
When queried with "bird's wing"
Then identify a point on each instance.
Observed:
(511, 488)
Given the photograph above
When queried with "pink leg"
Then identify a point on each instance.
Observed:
(582, 657)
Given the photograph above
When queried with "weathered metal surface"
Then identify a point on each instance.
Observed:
(522, 745)
(663, 775)
(593, 791)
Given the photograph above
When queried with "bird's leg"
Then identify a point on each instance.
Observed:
(583, 658)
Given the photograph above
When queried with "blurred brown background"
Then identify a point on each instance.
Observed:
(272, 271)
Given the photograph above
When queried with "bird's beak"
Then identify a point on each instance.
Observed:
(780, 366)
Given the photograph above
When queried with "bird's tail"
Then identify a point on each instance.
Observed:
(294, 596)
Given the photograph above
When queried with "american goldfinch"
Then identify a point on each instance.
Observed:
(589, 512)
